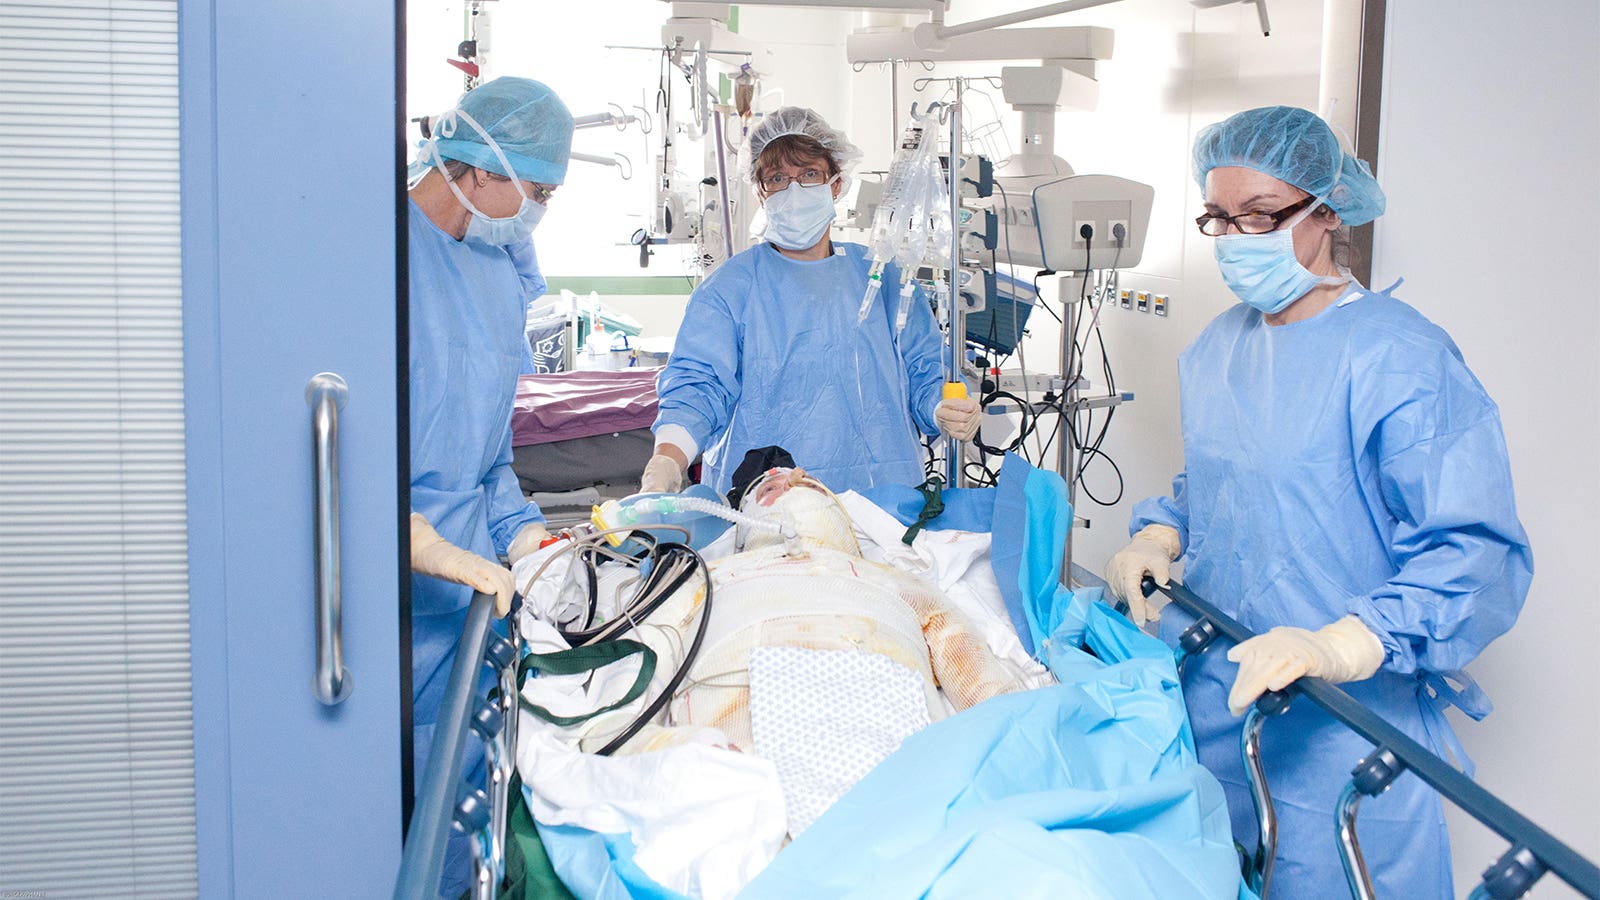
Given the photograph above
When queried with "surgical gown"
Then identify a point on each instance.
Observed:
(1345, 464)
(770, 353)
(467, 309)
(534, 286)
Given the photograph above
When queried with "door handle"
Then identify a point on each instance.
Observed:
(325, 394)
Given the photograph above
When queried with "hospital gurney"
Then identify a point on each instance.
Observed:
(478, 812)
(1120, 789)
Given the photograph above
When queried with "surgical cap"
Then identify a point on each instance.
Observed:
(1295, 146)
(798, 120)
(525, 118)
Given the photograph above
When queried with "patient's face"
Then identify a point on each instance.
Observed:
(793, 495)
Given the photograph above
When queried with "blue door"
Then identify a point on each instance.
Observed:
(291, 186)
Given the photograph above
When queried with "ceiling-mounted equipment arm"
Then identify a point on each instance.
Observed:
(1261, 10)
(929, 35)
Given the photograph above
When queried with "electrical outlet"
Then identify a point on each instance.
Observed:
(1100, 215)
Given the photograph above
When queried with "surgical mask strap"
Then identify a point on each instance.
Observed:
(446, 127)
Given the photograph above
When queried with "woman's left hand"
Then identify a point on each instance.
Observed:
(1344, 651)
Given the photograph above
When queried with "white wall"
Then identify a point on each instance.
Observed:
(1491, 114)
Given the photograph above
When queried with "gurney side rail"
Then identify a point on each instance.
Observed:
(1533, 850)
(461, 715)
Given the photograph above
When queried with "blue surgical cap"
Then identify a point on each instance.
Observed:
(1295, 146)
(525, 118)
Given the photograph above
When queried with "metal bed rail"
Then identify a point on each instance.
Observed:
(444, 801)
(1533, 851)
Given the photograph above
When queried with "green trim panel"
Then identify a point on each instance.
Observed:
(666, 285)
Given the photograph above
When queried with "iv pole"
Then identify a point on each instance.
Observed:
(956, 315)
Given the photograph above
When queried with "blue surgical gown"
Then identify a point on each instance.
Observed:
(1346, 464)
(467, 309)
(526, 262)
(770, 353)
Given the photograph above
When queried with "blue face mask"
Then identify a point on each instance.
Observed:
(1262, 270)
(507, 231)
(799, 215)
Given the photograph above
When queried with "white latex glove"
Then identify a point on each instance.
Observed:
(433, 555)
(527, 540)
(1347, 650)
(1151, 552)
(662, 475)
(958, 417)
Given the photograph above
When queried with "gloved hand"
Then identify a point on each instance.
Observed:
(958, 417)
(433, 555)
(527, 540)
(662, 474)
(1346, 650)
(1151, 552)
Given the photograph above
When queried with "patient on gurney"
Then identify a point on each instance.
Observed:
(825, 670)
(792, 614)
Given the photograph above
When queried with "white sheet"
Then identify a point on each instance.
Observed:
(705, 819)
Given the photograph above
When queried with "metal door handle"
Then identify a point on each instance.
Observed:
(326, 393)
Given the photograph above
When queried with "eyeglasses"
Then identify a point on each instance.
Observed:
(1215, 225)
(542, 193)
(777, 181)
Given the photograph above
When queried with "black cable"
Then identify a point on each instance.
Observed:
(632, 611)
(988, 477)
(1121, 482)
(1025, 427)
(1039, 297)
(665, 696)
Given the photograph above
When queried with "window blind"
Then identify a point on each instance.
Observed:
(96, 740)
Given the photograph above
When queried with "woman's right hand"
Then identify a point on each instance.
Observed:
(1151, 552)
(662, 475)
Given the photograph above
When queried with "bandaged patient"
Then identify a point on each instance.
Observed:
(812, 591)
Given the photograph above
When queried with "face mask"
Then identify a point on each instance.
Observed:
(799, 215)
(507, 231)
(1262, 270)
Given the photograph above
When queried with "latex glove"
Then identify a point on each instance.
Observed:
(662, 475)
(1151, 552)
(958, 417)
(433, 555)
(1347, 650)
(527, 540)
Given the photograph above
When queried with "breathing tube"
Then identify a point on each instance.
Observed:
(614, 514)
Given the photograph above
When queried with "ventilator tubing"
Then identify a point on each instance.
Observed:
(612, 514)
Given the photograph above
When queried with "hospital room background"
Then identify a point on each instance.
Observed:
(1447, 159)
(1488, 150)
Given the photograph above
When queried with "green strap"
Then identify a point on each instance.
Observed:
(932, 507)
(529, 872)
(586, 659)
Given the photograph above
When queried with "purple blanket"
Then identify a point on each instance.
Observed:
(568, 405)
